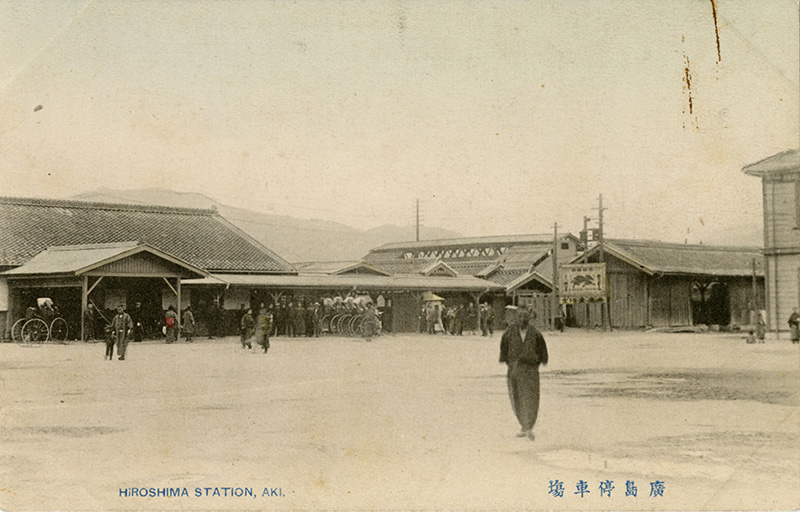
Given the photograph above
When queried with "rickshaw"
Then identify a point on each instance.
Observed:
(40, 324)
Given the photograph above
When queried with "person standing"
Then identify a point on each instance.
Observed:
(263, 327)
(88, 323)
(794, 325)
(171, 323)
(138, 317)
(299, 320)
(317, 319)
(246, 326)
(483, 315)
(761, 328)
(472, 318)
(490, 316)
(523, 349)
(188, 324)
(121, 328)
(289, 319)
(277, 318)
(310, 320)
(213, 315)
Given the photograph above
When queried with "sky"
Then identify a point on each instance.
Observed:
(501, 117)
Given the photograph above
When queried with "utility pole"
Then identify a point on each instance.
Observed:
(417, 219)
(556, 307)
(601, 259)
(755, 296)
(586, 238)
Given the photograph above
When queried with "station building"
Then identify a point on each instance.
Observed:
(77, 253)
(780, 189)
(660, 284)
(520, 265)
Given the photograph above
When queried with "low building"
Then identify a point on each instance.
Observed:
(780, 189)
(521, 264)
(78, 252)
(659, 284)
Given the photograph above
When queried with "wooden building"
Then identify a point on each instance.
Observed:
(659, 284)
(77, 252)
(780, 188)
(521, 264)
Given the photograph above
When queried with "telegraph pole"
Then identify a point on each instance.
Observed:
(417, 219)
(756, 309)
(586, 238)
(556, 309)
(601, 258)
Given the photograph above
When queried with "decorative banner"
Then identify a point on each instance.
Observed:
(582, 282)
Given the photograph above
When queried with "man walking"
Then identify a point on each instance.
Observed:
(523, 349)
(121, 328)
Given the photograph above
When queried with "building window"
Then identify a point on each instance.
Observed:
(564, 246)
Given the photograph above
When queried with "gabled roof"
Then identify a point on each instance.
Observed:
(360, 268)
(471, 241)
(654, 257)
(322, 267)
(526, 255)
(787, 161)
(400, 266)
(471, 267)
(199, 237)
(527, 278)
(506, 276)
(81, 259)
(439, 268)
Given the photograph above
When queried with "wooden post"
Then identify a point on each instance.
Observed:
(84, 305)
(605, 306)
(555, 309)
(178, 293)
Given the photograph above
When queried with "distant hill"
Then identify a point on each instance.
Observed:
(292, 238)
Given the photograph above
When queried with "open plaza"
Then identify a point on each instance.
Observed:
(698, 421)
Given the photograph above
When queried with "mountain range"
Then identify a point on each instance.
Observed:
(294, 239)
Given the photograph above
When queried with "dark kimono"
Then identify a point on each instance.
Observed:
(523, 358)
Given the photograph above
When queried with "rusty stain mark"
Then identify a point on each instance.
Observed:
(687, 80)
(716, 29)
(687, 88)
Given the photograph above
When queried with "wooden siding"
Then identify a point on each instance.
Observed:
(780, 216)
(740, 293)
(782, 289)
(670, 301)
(628, 294)
(142, 264)
(782, 250)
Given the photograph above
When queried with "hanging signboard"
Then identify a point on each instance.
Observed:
(582, 282)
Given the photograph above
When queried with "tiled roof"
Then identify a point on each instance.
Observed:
(782, 162)
(77, 259)
(199, 237)
(469, 241)
(472, 267)
(506, 276)
(669, 258)
(322, 267)
(401, 266)
(352, 281)
(525, 255)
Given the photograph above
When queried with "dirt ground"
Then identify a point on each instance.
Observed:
(406, 422)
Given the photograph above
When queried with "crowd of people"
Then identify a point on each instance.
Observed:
(455, 320)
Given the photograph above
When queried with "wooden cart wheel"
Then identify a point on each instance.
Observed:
(59, 330)
(35, 330)
(16, 330)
